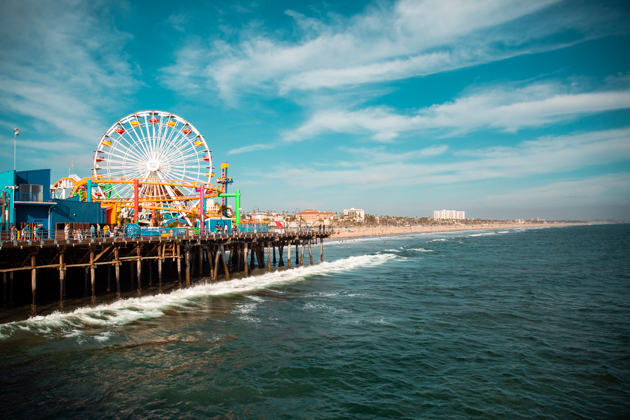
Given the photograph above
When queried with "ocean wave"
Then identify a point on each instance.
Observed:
(420, 250)
(126, 311)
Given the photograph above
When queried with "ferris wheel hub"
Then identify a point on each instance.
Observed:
(153, 165)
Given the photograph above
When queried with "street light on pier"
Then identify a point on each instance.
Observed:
(16, 132)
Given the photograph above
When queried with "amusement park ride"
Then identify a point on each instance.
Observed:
(152, 163)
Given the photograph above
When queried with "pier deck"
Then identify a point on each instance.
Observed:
(59, 268)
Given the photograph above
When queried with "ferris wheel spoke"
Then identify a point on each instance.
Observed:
(174, 147)
(179, 140)
(140, 145)
(135, 133)
(127, 151)
(169, 147)
(126, 141)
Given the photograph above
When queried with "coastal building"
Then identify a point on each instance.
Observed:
(267, 216)
(29, 202)
(449, 214)
(356, 214)
(311, 215)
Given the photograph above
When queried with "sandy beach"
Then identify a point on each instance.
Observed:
(394, 230)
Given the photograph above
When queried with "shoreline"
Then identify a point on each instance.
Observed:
(375, 232)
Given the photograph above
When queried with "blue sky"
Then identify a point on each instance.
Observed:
(504, 109)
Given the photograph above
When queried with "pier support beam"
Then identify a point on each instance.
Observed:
(187, 264)
(92, 276)
(139, 268)
(34, 285)
(245, 265)
(225, 266)
(117, 272)
(280, 252)
(310, 252)
(217, 254)
(210, 262)
(297, 252)
(159, 261)
(179, 267)
(268, 257)
(302, 255)
(321, 248)
(289, 254)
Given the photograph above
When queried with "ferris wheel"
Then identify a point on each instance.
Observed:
(153, 146)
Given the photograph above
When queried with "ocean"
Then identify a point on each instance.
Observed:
(515, 323)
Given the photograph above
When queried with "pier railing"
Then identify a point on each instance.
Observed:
(81, 235)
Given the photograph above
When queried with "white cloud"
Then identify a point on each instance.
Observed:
(250, 148)
(387, 41)
(506, 109)
(583, 191)
(62, 65)
(592, 197)
(546, 155)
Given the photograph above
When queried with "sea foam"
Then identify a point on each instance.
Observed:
(126, 311)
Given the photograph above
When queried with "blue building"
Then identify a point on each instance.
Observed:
(29, 202)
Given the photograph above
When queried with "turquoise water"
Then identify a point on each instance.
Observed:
(518, 323)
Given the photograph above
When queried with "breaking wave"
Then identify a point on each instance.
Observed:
(126, 311)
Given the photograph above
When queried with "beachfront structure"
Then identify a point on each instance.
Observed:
(311, 215)
(29, 202)
(353, 213)
(449, 214)
(270, 216)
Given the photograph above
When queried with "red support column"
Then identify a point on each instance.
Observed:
(136, 200)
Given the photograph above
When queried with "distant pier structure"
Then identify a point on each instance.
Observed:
(52, 270)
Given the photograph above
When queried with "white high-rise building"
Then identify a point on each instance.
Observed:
(449, 214)
(354, 213)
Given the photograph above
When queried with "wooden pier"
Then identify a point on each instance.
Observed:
(95, 266)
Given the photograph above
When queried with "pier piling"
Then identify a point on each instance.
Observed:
(310, 253)
(34, 284)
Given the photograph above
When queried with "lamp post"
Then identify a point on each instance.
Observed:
(16, 132)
